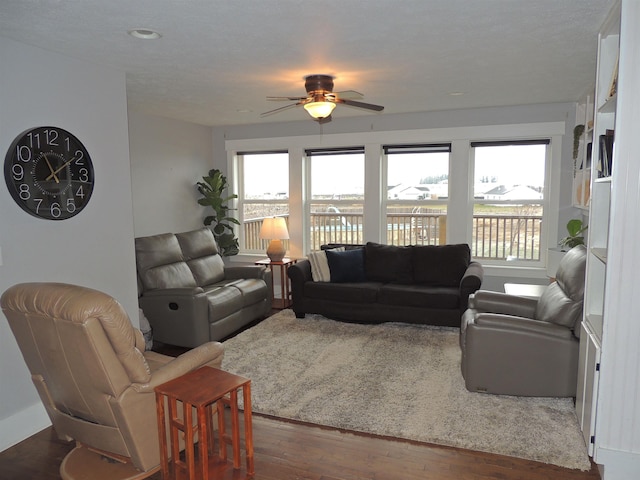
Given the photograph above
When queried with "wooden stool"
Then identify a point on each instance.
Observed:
(203, 389)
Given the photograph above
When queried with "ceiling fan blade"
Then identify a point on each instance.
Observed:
(286, 98)
(350, 94)
(368, 106)
(280, 109)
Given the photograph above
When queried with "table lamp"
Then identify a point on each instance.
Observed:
(275, 230)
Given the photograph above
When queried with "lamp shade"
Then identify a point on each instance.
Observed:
(274, 228)
(319, 109)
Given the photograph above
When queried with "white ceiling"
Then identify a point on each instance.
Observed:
(217, 60)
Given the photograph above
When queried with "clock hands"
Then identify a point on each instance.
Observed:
(53, 174)
(57, 170)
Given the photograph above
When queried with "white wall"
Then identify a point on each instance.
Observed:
(168, 157)
(94, 248)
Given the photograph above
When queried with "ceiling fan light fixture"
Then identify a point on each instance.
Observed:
(319, 110)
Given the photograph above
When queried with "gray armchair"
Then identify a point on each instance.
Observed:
(190, 296)
(520, 346)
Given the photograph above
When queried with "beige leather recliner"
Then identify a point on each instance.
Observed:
(521, 346)
(190, 296)
(93, 376)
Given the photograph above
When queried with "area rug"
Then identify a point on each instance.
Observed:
(394, 380)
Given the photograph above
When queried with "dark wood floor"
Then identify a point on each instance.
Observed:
(290, 451)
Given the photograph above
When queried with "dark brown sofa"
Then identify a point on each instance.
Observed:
(385, 283)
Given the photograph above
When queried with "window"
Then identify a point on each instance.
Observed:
(495, 187)
(417, 194)
(337, 196)
(263, 192)
(509, 199)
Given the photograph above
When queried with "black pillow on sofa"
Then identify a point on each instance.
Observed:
(346, 266)
(440, 264)
(388, 263)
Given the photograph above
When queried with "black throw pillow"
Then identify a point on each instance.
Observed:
(347, 266)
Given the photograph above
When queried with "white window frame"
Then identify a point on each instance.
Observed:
(460, 188)
(442, 146)
(544, 202)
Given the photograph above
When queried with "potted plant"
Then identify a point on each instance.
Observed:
(575, 228)
(212, 189)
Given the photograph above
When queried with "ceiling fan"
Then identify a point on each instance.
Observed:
(321, 99)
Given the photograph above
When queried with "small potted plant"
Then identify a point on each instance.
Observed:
(575, 228)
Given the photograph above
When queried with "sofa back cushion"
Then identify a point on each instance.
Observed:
(442, 265)
(388, 263)
(200, 251)
(562, 301)
(160, 263)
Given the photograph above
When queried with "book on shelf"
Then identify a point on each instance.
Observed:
(605, 157)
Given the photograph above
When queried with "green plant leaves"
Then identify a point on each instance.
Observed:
(212, 188)
(575, 228)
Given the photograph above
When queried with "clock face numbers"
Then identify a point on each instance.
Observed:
(49, 173)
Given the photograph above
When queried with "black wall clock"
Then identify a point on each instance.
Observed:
(49, 173)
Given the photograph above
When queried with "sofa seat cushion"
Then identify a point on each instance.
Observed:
(253, 290)
(223, 301)
(443, 265)
(364, 292)
(419, 296)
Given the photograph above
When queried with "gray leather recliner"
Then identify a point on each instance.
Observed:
(521, 346)
(190, 296)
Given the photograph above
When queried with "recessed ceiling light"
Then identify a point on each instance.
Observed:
(456, 94)
(144, 34)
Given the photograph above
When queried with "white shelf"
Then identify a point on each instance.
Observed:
(609, 105)
(600, 254)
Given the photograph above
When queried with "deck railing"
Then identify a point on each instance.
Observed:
(505, 237)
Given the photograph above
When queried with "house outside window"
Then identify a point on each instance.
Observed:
(336, 196)
(508, 200)
(263, 191)
(417, 194)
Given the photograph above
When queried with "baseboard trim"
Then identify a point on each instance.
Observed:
(22, 425)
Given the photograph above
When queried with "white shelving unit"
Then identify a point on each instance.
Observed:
(608, 398)
(598, 233)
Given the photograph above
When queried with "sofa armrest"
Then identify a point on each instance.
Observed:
(520, 325)
(498, 302)
(177, 318)
(472, 278)
(471, 281)
(300, 272)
